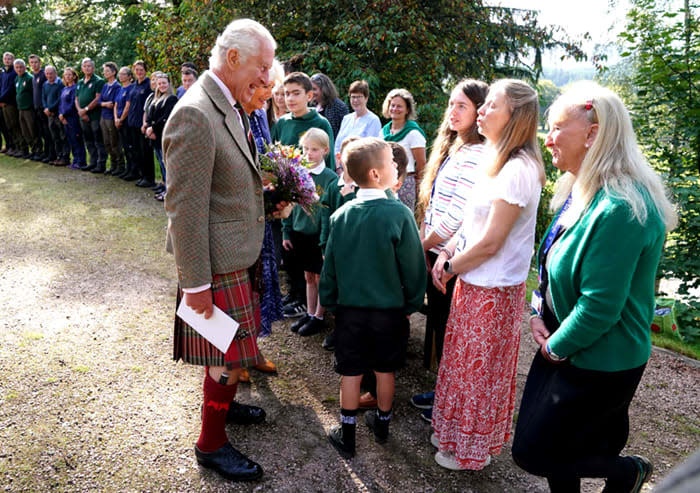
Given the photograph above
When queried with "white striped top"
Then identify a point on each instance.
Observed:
(450, 192)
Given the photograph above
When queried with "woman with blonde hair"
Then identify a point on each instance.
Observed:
(595, 302)
(491, 253)
(403, 129)
(156, 116)
(449, 175)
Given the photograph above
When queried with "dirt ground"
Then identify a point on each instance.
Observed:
(90, 399)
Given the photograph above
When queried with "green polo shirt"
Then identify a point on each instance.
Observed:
(25, 92)
(86, 92)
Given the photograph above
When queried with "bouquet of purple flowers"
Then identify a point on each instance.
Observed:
(287, 171)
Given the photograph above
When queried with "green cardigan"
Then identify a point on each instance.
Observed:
(289, 129)
(601, 277)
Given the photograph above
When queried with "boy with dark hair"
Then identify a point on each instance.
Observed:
(373, 277)
(297, 94)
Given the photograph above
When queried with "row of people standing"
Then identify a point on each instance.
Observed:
(120, 117)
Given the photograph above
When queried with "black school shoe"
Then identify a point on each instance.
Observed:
(329, 342)
(335, 436)
(229, 463)
(313, 326)
(300, 323)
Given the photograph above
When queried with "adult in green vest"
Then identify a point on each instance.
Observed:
(25, 105)
(87, 102)
(595, 302)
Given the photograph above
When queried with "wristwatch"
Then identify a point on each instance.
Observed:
(447, 267)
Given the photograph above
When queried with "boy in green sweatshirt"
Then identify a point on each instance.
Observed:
(297, 94)
(301, 232)
(373, 278)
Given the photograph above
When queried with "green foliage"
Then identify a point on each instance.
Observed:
(663, 46)
(544, 216)
(422, 45)
(547, 92)
(65, 31)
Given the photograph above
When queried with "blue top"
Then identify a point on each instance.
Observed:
(180, 92)
(137, 98)
(8, 93)
(51, 94)
(66, 105)
(108, 95)
(260, 129)
(367, 125)
(122, 98)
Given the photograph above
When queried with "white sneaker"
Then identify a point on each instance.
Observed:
(449, 461)
(434, 441)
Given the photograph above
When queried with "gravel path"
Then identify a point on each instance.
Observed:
(90, 399)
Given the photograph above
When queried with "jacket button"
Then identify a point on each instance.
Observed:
(261, 219)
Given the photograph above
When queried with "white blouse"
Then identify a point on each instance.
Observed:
(517, 183)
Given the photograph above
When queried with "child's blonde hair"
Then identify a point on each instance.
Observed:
(315, 136)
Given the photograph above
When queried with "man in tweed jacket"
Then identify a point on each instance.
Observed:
(215, 229)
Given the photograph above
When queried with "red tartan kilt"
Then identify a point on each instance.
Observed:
(234, 294)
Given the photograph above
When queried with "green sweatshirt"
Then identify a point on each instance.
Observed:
(289, 129)
(25, 92)
(374, 258)
(298, 220)
(601, 278)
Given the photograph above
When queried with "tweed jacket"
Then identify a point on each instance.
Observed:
(214, 202)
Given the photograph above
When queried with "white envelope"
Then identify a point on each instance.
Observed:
(219, 329)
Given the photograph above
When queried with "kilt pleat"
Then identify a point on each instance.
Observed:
(233, 293)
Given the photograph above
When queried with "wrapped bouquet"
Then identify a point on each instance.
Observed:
(286, 170)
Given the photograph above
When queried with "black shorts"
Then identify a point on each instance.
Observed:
(306, 251)
(370, 339)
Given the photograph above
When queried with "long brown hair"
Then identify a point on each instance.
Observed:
(448, 141)
(520, 133)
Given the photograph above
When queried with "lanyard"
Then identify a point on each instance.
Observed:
(553, 234)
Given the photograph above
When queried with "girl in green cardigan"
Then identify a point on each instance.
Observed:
(595, 303)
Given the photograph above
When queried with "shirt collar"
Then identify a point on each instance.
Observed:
(224, 89)
(364, 194)
(318, 169)
(341, 181)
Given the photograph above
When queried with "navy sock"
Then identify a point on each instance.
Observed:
(348, 421)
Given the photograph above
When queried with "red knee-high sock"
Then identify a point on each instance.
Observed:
(217, 398)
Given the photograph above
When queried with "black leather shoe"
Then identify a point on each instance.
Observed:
(229, 463)
(131, 177)
(313, 326)
(89, 167)
(300, 323)
(335, 436)
(243, 414)
(143, 183)
(98, 169)
(329, 342)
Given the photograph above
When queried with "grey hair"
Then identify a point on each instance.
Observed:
(50, 67)
(86, 59)
(243, 35)
(8, 53)
(19, 61)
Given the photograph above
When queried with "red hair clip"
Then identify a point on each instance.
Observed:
(589, 105)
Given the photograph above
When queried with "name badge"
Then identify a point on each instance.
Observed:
(536, 302)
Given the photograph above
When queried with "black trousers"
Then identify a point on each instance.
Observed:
(573, 423)
(142, 154)
(92, 134)
(42, 123)
(438, 313)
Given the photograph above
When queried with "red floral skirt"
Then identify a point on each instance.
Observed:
(234, 294)
(475, 392)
